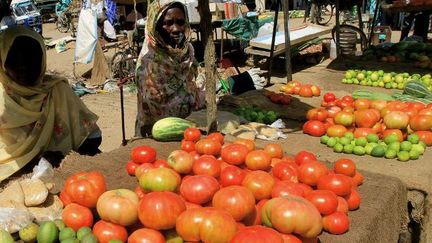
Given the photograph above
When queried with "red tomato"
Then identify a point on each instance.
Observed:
(348, 98)
(305, 91)
(257, 234)
(325, 201)
(199, 189)
(274, 150)
(238, 201)
(336, 131)
(358, 179)
(143, 168)
(314, 128)
(131, 167)
(329, 97)
(319, 114)
(396, 120)
(304, 156)
(345, 166)
(421, 123)
(333, 110)
(286, 171)
(337, 183)
(292, 214)
(353, 200)
(247, 142)
(66, 200)
(363, 132)
(85, 188)
(306, 188)
(207, 165)
(260, 183)
(146, 236)
(234, 154)
(366, 118)
(311, 172)
(208, 146)
(159, 210)
(217, 136)
(231, 175)
(285, 188)
(118, 206)
(425, 136)
(336, 223)
(143, 154)
(342, 205)
(361, 104)
(397, 132)
(255, 217)
(188, 224)
(258, 160)
(140, 192)
(76, 216)
(426, 111)
(161, 163)
(192, 134)
(289, 238)
(187, 146)
(106, 231)
(344, 118)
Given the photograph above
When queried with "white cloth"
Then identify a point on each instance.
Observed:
(109, 30)
(87, 36)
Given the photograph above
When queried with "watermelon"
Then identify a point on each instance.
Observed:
(170, 129)
(416, 89)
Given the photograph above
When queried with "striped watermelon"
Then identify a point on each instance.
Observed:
(416, 89)
(170, 129)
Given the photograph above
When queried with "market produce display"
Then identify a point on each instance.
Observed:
(415, 52)
(255, 114)
(386, 80)
(278, 98)
(217, 192)
(380, 128)
(304, 90)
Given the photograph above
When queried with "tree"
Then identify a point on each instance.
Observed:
(209, 62)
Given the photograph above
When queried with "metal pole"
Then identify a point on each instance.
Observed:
(337, 28)
(287, 42)
(273, 42)
(373, 22)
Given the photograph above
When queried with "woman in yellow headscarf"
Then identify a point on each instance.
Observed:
(167, 68)
(38, 112)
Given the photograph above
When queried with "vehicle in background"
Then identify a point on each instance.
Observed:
(24, 12)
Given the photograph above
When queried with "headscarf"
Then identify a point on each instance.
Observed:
(47, 116)
(166, 76)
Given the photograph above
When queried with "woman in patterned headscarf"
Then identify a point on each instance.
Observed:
(38, 112)
(167, 67)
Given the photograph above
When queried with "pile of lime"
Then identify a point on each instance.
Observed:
(390, 147)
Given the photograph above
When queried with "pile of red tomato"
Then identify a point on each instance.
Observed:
(363, 117)
(304, 90)
(277, 98)
(211, 191)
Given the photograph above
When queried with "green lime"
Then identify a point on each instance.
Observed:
(349, 135)
(390, 153)
(378, 151)
(372, 138)
(344, 141)
(394, 146)
(66, 233)
(324, 139)
(406, 146)
(83, 231)
(331, 142)
(338, 148)
(417, 147)
(413, 138)
(353, 142)
(361, 141)
(414, 154)
(391, 138)
(359, 150)
(369, 147)
(348, 149)
(403, 156)
(59, 223)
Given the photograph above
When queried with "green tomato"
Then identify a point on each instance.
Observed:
(349, 135)
(390, 154)
(331, 142)
(338, 148)
(417, 147)
(348, 149)
(395, 146)
(361, 141)
(406, 146)
(324, 139)
(359, 150)
(413, 138)
(403, 156)
(414, 154)
(372, 138)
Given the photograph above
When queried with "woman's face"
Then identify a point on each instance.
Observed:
(24, 61)
(174, 23)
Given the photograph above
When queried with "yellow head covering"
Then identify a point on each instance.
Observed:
(45, 117)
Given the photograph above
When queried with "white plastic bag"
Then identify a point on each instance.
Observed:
(43, 170)
(266, 29)
(14, 217)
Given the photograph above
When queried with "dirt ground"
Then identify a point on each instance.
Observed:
(415, 175)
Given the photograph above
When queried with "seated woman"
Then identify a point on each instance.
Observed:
(167, 68)
(38, 112)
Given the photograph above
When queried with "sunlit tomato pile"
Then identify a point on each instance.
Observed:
(304, 90)
(211, 191)
(278, 98)
(380, 128)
